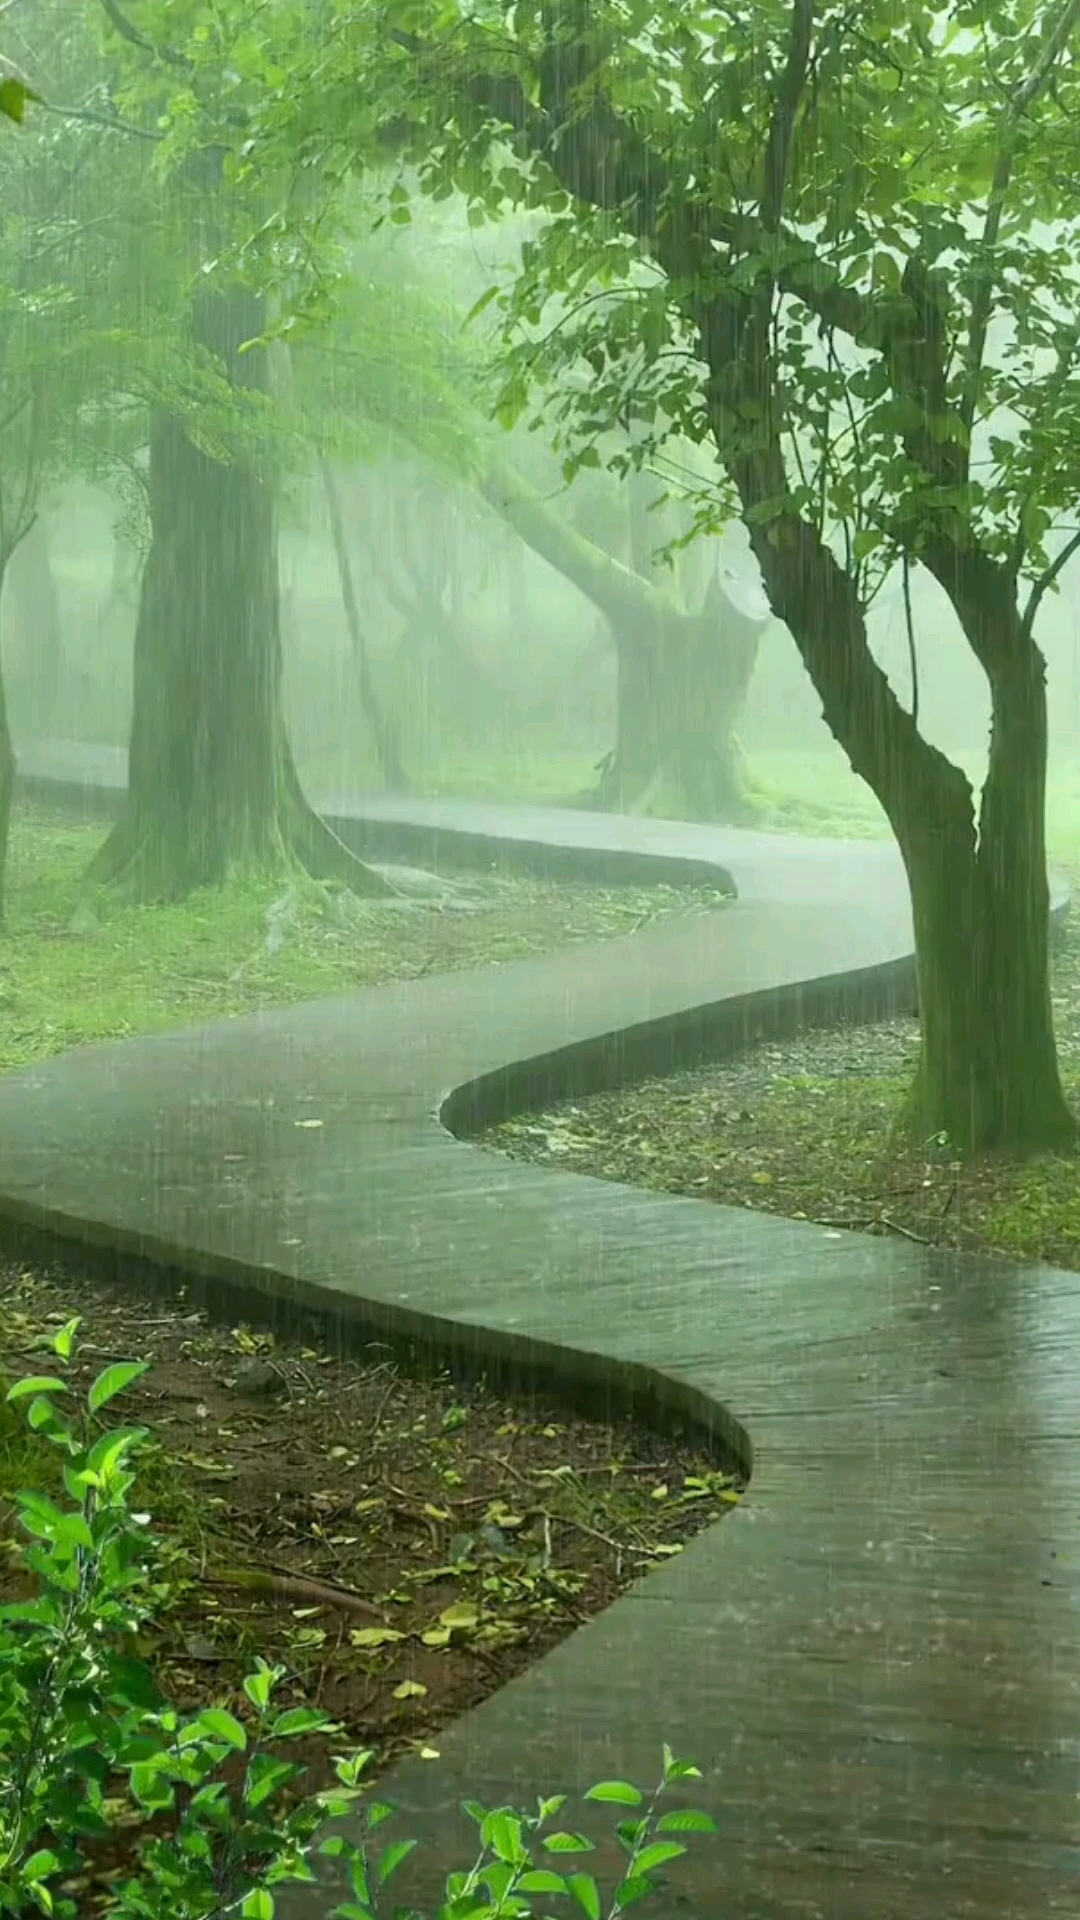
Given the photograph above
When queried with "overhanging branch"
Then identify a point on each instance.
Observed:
(1045, 582)
(789, 95)
(982, 302)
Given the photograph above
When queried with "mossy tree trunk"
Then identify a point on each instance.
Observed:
(683, 676)
(211, 785)
(988, 1073)
(8, 770)
(682, 685)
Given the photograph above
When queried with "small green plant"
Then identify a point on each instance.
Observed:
(87, 1740)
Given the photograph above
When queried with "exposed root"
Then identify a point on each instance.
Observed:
(141, 862)
(324, 856)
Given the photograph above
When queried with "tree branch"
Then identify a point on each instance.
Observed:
(129, 32)
(1045, 582)
(91, 119)
(983, 298)
(789, 94)
(605, 162)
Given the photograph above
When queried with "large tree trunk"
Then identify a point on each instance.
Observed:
(211, 781)
(683, 677)
(682, 684)
(988, 1074)
(680, 693)
(384, 732)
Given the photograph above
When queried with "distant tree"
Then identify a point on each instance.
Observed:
(390, 368)
(212, 785)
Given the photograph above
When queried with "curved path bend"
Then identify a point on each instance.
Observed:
(876, 1660)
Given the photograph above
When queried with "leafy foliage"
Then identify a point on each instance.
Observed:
(641, 137)
(80, 1715)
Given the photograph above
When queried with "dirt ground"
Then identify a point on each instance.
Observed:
(404, 1546)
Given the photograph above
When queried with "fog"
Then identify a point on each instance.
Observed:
(519, 685)
(496, 671)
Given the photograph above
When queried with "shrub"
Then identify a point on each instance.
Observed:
(87, 1740)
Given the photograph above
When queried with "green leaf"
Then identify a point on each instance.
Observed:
(297, 1720)
(257, 1905)
(547, 1809)
(266, 1775)
(14, 94)
(478, 307)
(64, 1341)
(618, 1792)
(110, 1450)
(542, 1880)
(636, 1887)
(216, 1724)
(686, 1820)
(40, 1865)
(258, 1686)
(501, 1831)
(391, 1858)
(658, 1855)
(586, 1893)
(112, 1380)
(35, 1383)
(567, 1843)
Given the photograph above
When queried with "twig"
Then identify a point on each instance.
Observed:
(895, 1227)
(293, 1586)
(129, 32)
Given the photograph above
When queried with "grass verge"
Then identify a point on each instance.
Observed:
(78, 967)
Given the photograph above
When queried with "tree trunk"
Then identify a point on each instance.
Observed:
(679, 697)
(383, 731)
(8, 769)
(988, 1073)
(683, 677)
(211, 780)
(34, 589)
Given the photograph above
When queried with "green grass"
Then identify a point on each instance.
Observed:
(816, 793)
(525, 775)
(812, 793)
(78, 967)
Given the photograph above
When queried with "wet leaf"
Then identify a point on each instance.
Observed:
(375, 1636)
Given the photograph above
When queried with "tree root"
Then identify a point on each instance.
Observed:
(138, 861)
(324, 856)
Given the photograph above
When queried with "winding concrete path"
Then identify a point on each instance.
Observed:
(876, 1660)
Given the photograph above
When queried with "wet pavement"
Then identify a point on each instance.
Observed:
(876, 1659)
